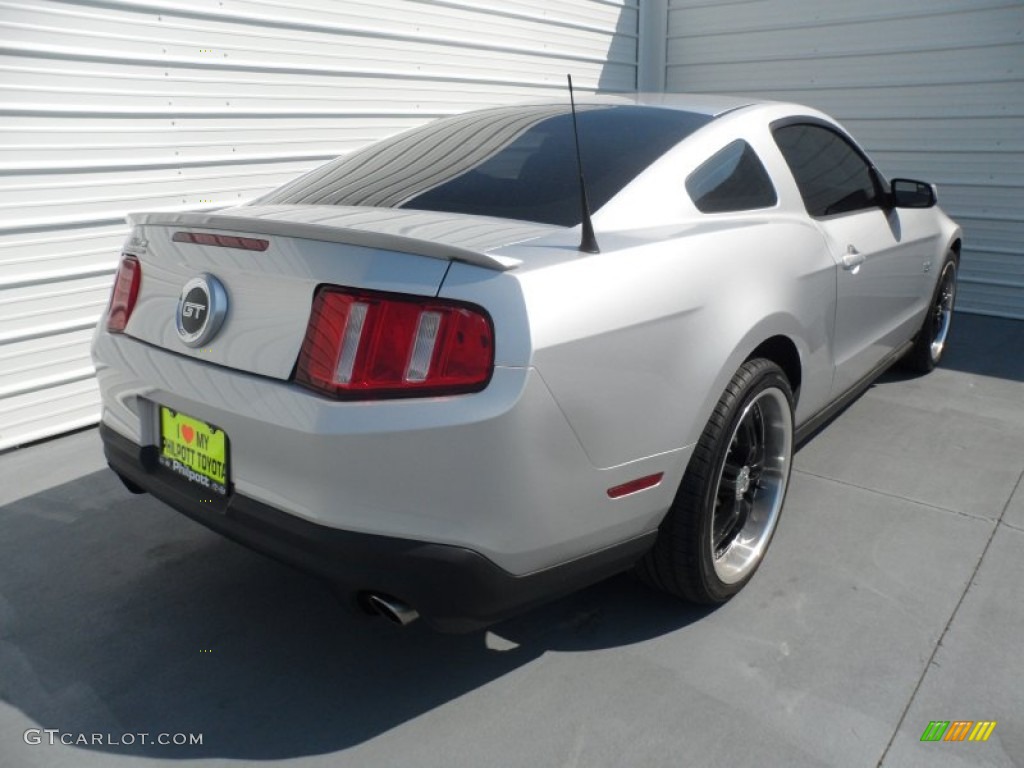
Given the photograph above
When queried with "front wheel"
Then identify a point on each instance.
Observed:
(716, 533)
(930, 342)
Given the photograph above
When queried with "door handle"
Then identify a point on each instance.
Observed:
(852, 259)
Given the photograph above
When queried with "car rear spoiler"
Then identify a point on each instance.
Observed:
(333, 234)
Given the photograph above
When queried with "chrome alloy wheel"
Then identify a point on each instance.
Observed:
(751, 485)
(942, 311)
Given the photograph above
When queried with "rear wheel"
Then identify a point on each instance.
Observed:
(726, 510)
(930, 342)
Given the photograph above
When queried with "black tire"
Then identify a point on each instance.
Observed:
(693, 554)
(931, 340)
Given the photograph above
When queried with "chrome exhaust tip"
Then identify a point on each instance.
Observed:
(393, 610)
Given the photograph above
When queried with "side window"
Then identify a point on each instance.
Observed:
(832, 176)
(732, 179)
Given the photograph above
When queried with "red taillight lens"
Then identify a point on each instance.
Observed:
(126, 291)
(365, 344)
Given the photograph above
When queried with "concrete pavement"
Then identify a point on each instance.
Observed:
(890, 598)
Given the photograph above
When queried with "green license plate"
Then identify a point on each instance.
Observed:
(194, 449)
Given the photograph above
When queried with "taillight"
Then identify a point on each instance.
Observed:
(366, 344)
(126, 291)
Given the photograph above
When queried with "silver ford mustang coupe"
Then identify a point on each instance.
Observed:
(466, 369)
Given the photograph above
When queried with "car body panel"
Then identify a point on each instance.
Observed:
(880, 302)
(594, 343)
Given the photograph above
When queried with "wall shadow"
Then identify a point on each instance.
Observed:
(986, 346)
(978, 344)
(620, 72)
(118, 615)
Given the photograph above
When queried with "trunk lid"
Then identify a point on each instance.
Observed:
(270, 292)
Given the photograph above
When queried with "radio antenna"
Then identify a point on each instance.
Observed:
(588, 242)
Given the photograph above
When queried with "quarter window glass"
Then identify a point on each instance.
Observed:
(733, 179)
(831, 175)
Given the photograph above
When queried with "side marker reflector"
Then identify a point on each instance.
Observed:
(640, 484)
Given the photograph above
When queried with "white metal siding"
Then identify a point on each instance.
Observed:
(125, 105)
(934, 89)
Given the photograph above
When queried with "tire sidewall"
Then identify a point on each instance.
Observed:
(768, 375)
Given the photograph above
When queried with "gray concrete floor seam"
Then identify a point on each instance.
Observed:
(898, 497)
(949, 622)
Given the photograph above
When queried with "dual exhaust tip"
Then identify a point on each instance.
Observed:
(391, 609)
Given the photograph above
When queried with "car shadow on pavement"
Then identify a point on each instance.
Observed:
(120, 616)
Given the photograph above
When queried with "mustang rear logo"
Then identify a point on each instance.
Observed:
(202, 307)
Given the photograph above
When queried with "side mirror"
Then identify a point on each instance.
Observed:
(908, 193)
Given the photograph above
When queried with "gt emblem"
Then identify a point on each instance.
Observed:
(191, 309)
(202, 307)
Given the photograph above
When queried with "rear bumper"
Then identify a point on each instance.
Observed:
(454, 588)
(499, 472)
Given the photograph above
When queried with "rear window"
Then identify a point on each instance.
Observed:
(512, 162)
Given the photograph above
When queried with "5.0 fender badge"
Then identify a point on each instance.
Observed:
(202, 307)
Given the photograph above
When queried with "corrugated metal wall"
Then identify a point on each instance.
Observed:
(110, 106)
(934, 89)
